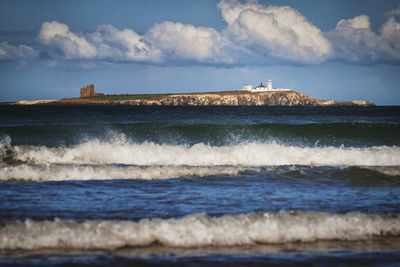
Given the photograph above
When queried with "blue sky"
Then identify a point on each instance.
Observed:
(343, 50)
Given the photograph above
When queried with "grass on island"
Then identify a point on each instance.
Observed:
(128, 97)
(150, 96)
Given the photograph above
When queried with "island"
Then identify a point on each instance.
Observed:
(259, 96)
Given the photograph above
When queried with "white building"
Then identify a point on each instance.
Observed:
(262, 88)
(269, 85)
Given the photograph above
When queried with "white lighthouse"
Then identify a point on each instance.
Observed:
(269, 85)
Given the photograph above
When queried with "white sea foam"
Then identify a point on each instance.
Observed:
(103, 172)
(198, 230)
(249, 154)
(389, 171)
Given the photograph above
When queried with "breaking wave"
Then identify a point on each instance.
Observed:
(388, 171)
(105, 172)
(198, 230)
(57, 172)
(121, 151)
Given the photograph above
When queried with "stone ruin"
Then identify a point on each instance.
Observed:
(88, 91)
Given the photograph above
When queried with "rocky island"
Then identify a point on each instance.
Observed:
(260, 96)
(232, 98)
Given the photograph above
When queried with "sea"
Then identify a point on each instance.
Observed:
(120, 185)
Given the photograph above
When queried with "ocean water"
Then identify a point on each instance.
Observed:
(122, 185)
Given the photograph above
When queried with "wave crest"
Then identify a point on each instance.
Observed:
(106, 172)
(198, 230)
(121, 151)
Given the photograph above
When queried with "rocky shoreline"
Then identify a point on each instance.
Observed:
(232, 98)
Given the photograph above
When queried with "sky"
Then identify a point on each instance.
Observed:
(333, 49)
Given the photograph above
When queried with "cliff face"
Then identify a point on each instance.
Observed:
(344, 103)
(290, 98)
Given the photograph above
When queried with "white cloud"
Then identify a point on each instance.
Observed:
(106, 43)
(71, 44)
(353, 40)
(280, 32)
(124, 45)
(359, 22)
(179, 41)
(391, 33)
(21, 52)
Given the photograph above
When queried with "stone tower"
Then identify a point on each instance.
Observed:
(87, 91)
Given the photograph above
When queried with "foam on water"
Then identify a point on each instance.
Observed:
(56, 172)
(198, 230)
(103, 172)
(389, 171)
(121, 151)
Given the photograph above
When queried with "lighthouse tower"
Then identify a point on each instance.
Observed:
(269, 85)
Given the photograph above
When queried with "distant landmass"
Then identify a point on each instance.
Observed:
(261, 96)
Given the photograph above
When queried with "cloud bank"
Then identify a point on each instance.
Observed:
(255, 34)
(22, 52)
(163, 42)
(354, 41)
